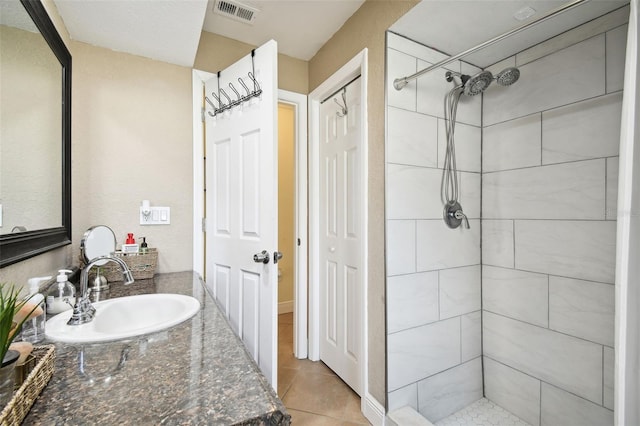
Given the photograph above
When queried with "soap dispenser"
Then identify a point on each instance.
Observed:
(61, 297)
(33, 328)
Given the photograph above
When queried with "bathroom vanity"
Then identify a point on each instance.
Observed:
(197, 372)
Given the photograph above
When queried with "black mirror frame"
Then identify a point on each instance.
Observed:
(24, 245)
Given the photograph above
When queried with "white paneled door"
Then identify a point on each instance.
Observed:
(340, 239)
(242, 203)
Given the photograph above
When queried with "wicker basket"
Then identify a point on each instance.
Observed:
(142, 266)
(16, 410)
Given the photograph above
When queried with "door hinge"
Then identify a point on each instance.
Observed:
(298, 242)
(204, 224)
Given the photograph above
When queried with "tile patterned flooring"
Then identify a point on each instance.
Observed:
(482, 413)
(312, 392)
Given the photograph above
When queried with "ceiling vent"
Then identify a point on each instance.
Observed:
(236, 10)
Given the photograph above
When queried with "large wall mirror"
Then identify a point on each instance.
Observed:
(35, 133)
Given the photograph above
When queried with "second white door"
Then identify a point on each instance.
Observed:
(340, 239)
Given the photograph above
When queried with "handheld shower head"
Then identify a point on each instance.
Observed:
(508, 76)
(478, 83)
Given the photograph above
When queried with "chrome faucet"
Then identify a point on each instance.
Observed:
(83, 311)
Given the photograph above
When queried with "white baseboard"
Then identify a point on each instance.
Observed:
(285, 307)
(373, 410)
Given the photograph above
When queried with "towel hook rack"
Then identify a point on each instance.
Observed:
(222, 106)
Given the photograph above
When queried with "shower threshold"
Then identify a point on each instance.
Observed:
(480, 413)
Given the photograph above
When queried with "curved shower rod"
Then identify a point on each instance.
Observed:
(399, 83)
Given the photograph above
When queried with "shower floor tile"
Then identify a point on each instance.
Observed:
(480, 413)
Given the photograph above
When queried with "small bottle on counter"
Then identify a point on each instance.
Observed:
(61, 297)
(143, 246)
(33, 327)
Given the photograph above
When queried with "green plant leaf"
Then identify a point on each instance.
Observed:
(10, 304)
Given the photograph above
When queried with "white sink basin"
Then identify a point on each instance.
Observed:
(124, 317)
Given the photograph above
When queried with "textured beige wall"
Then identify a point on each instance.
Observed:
(132, 141)
(286, 200)
(366, 28)
(216, 52)
(47, 263)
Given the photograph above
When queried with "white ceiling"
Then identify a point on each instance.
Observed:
(301, 27)
(455, 26)
(169, 30)
(12, 14)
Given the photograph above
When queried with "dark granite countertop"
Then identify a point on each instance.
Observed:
(197, 372)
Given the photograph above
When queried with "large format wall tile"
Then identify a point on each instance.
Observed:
(551, 82)
(459, 291)
(447, 392)
(582, 131)
(562, 191)
(616, 52)
(471, 335)
(577, 249)
(612, 188)
(468, 143)
(403, 397)
(512, 390)
(582, 309)
(469, 199)
(412, 300)
(412, 138)
(420, 352)
(414, 193)
(439, 247)
(562, 408)
(516, 294)
(399, 65)
(401, 247)
(609, 377)
(497, 243)
(571, 363)
(512, 145)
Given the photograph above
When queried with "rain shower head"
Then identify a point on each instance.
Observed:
(508, 76)
(477, 84)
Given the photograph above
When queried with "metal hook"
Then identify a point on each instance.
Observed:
(342, 106)
(245, 86)
(217, 100)
(226, 96)
(256, 86)
(240, 97)
(212, 106)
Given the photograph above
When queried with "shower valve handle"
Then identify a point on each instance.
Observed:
(459, 214)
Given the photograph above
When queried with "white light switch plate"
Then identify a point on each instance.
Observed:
(158, 216)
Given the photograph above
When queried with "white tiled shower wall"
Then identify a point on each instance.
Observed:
(549, 190)
(433, 283)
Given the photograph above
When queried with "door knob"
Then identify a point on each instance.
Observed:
(277, 255)
(262, 257)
